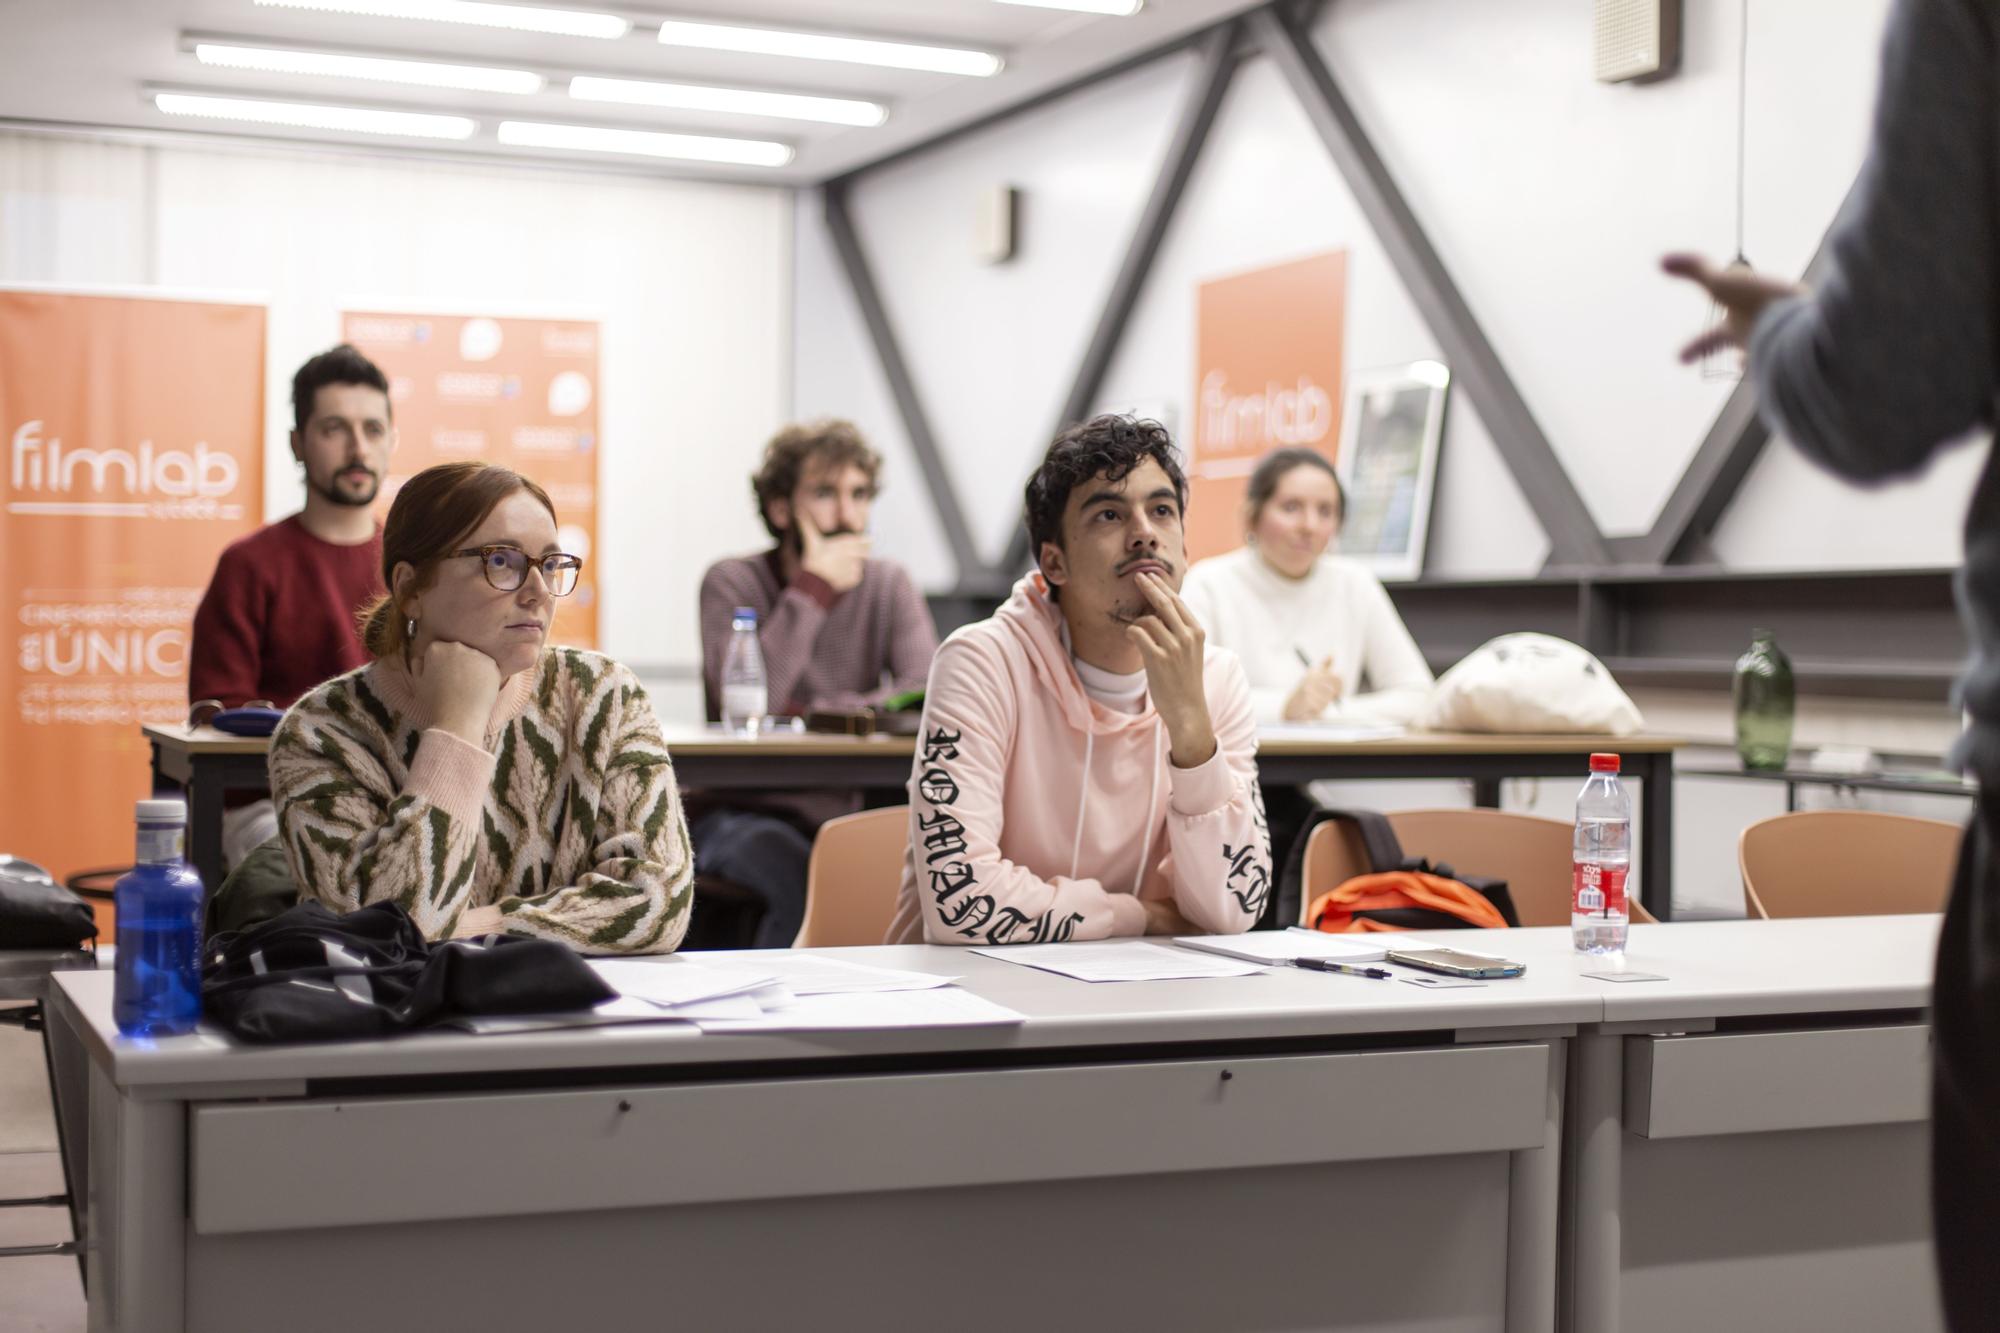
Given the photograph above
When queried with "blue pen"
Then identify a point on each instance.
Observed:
(1345, 969)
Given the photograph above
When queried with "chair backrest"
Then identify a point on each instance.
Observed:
(1532, 854)
(852, 878)
(1846, 863)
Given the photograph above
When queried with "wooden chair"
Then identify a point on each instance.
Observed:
(851, 881)
(1846, 863)
(1532, 854)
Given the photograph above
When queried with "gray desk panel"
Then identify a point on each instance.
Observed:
(1753, 1082)
(583, 1150)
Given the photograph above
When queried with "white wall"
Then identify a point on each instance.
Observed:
(1550, 198)
(691, 283)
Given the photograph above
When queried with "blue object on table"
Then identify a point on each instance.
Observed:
(157, 991)
(249, 721)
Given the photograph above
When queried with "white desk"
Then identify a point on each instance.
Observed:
(1749, 1141)
(1285, 1151)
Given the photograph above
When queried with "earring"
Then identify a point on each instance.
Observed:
(410, 628)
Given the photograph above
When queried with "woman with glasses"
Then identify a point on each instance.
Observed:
(483, 779)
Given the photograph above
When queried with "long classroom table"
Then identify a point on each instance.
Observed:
(208, 762)
(1289, 1150)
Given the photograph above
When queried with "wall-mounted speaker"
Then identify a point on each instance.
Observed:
(1635, 41)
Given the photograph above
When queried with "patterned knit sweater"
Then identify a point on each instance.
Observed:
(568, 818)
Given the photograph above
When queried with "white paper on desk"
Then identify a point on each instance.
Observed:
(1279, 947)
(672, 981)
(620, 1010)
(938, 1008)
(1120, 962)
(810, 974)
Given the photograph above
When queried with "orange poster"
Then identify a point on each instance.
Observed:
(520, 392)
(134, 430)
(1267, 376)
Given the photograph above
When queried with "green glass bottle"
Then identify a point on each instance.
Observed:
(1766, 700)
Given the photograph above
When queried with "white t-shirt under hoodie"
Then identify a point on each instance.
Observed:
(1338, 610)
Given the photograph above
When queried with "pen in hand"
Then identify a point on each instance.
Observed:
(1345, 969)
(1300, 653)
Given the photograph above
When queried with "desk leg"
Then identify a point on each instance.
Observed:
(205, 825)
(161, 782)
(1594, 1244)
(1534, 1198)
(1656, 856)
(1486, 793)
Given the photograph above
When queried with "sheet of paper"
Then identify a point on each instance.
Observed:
(620, 1010)
(936, 1008)
(811, 974)
(1439, 982)
(1279, 947)
(671, 981)
(1122, 961)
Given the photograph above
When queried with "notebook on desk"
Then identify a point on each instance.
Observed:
(1280, 947)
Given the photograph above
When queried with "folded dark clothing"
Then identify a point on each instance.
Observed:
(309, 974)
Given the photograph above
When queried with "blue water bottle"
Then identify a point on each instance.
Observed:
(158, 987)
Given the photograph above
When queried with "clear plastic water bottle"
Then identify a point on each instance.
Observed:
(157, 989)
(1602, 861)
(745, 700)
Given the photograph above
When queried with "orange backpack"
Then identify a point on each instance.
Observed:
(1399, 892)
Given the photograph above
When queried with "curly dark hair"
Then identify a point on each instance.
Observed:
(337, 365)
(1107, 446)
(785, 458)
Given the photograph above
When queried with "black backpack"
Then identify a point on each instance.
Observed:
(1385, 853)
(310, 974)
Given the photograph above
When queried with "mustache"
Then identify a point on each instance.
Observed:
(1159, 560)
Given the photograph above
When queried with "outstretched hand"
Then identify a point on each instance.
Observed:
(1741, 292)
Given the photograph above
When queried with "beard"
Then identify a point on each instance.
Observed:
(331, 490)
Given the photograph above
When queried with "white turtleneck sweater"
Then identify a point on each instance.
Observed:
(1338, 610)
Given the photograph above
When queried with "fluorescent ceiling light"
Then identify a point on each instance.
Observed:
(359, 120)
(1118, 7)
(737, 101)
(822, 46)
(521, 18)
(379, 69)
(644, 143)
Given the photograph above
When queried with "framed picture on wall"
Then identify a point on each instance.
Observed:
(1389, 436)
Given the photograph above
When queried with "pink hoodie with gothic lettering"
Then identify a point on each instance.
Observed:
(1038, 814)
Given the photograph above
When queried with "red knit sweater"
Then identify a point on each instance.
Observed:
(279, 616)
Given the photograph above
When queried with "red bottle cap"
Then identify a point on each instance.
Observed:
(1604, 763)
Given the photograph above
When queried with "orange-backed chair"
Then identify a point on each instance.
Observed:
(851, 880)
(1532, 854)
(1846, 863)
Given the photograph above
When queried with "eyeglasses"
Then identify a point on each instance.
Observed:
(506, 568)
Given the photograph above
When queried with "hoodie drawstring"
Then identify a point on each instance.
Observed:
(1082, 801)
(1145, 848)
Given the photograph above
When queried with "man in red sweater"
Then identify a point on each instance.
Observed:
(837, 629)
(279, 617)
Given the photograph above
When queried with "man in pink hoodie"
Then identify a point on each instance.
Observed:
(1087, 765)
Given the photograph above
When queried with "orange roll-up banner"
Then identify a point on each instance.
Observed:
(1268, 350)
(521, 392)
(134, 430)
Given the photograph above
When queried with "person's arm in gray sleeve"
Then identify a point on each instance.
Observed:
(1893, 355)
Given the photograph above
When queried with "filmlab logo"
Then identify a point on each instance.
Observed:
(166, 483)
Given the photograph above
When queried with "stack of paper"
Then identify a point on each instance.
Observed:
(779, 992)
(1282, 947)
(1125, 961)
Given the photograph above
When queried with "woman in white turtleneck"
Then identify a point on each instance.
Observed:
(1317, 633)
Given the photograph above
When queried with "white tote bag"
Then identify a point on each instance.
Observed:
(1530, 683)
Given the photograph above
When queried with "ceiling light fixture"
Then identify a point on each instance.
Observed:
(1120, 8)
(378, 69)
(735, 101)
(521, 18)
(644, 143)
(303, 115)
(824, 46)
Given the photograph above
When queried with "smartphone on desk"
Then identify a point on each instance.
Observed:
(1452, 963)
